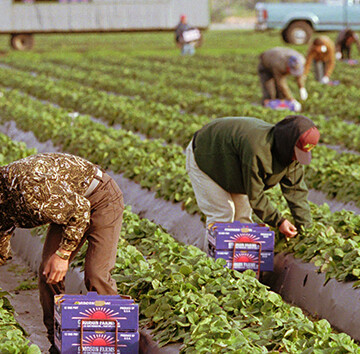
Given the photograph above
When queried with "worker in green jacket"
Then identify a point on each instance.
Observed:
(232, 161)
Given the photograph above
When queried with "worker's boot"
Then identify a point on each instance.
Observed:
(53, 350)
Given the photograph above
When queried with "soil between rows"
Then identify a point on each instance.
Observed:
(26, 302)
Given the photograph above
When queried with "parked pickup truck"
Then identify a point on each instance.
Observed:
(299, 20)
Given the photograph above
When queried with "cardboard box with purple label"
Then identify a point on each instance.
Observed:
(245, 259)
(224, 237)
(69, 310)
(68, 342)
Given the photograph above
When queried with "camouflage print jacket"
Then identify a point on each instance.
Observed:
(42, 189)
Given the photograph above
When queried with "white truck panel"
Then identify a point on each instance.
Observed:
(100, 15)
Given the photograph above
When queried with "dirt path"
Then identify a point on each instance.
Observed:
(26, 302)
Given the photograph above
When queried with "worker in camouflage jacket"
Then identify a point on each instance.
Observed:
(79, 202)
(275, 66)
(232, 161)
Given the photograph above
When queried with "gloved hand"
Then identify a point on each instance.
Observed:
(338, 55)
(303, 93)
(5, 249)
(297, 105)
(325, 80)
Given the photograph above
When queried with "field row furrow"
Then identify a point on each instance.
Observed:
(162, 169)
(156, 119)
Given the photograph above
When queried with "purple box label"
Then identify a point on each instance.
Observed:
(68, 342)
(225, 238)
(95, 313)
(246, 259)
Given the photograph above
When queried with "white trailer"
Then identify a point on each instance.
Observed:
(23, 18)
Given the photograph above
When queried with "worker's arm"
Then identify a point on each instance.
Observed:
(309, 59)
(65, 208)
(260, 203)
(68, 209)
(357, 41)
(5, 248)
(330, 64)
(296, 193)
(75, 218)
(55, 269)
(300, 80)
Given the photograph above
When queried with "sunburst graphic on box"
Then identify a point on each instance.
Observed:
(99, 313)
(245, 258)
(99, 340)
(244, 238)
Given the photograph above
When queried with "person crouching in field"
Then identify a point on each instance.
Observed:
(232, 161)
(344, 41)
(80, 202)
(274, 67)
(322, 53)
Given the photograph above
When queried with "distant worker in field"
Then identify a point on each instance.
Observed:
(232, 161)
(186, 37)
(274, 67)
(321, 53)
(80, 202)
(344, 41)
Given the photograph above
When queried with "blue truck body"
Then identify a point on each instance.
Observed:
(299, 20)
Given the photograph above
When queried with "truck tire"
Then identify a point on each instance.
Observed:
(21, 41)
(284, 36)
(298, 32)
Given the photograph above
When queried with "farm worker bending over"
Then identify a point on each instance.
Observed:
(274, 67)
(80, 202)
(344, 41)
(232, 161)
(322, 53)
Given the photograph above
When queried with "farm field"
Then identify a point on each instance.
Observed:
(131, 104)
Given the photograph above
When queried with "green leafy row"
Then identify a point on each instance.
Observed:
(332, 182)
(186, 297)
(12, 335)
(151, 117)
(157, 167)
(182, 292)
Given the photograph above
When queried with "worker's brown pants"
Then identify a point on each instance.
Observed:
(269, 87)
(103, 233)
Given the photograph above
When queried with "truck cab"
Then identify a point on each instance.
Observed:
(299, 20)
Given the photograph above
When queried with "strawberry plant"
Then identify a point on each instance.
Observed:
(12, 335)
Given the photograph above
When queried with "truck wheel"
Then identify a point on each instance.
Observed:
(284, 36)
(21, 41)
(298, 32)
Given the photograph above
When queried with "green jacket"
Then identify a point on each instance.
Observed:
(248, 156)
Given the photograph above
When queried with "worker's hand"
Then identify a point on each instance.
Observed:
(55, 269)
(338, 55)
(288, 229)
(3, 260)
(297, 105)
(303, 93)
(5, 249)
(325, 80)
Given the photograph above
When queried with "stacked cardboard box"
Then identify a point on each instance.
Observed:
(242, 245)
(95, 323)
